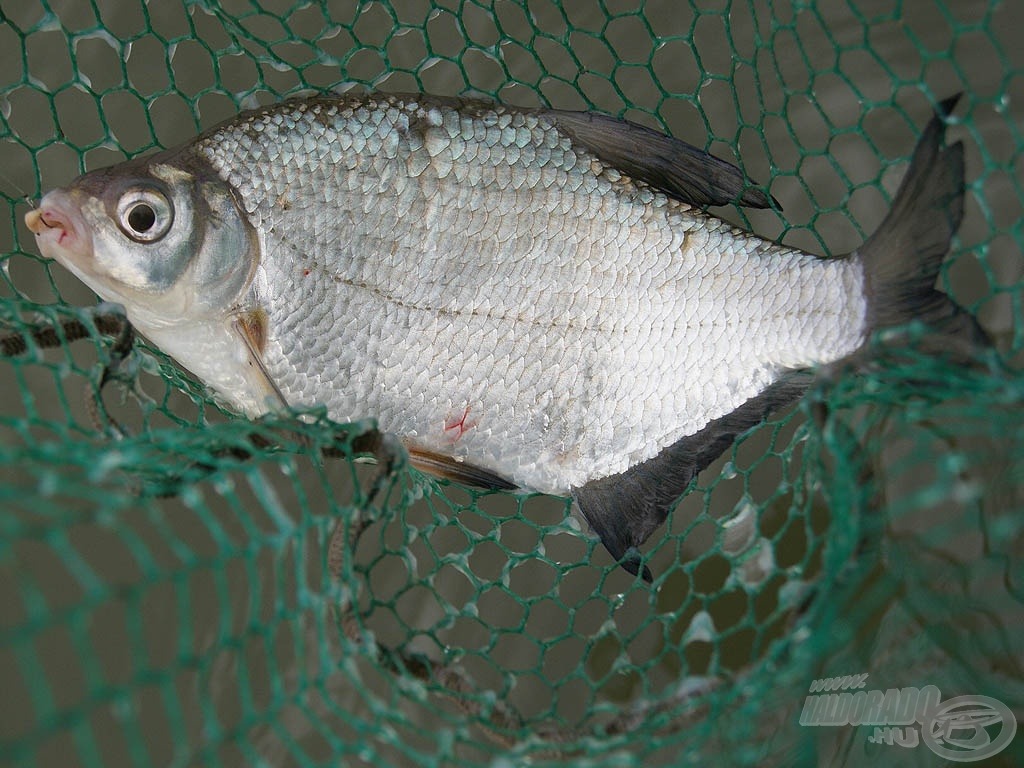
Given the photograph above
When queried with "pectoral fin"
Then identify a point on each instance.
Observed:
(625, 509)
(251, 327)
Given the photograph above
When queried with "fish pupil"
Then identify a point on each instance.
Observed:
(142, 217)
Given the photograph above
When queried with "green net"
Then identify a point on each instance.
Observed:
(184, 587)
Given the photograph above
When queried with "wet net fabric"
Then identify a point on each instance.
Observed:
(180, 586)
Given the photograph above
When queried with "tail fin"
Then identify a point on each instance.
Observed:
(902, 259)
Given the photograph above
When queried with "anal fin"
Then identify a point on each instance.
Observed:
(625, 509)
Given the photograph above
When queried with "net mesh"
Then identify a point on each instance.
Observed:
(181, 586)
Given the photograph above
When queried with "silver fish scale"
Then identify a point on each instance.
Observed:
(487, 289)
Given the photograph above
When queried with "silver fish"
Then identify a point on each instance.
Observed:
(528, 298)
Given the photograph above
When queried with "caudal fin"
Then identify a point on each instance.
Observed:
(902, 259)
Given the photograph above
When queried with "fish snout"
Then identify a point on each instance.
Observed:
(40, 220)
(55, 225)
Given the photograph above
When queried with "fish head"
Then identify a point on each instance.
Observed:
(169, 240)
(164, 236)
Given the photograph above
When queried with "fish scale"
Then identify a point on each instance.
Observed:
(529, 299)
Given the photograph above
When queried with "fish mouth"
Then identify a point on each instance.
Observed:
(59, 228)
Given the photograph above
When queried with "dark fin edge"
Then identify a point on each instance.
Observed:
(680, 170)
(446, 467)
(903, 257)
(625, 509)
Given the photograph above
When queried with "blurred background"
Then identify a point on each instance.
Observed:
(168, 600)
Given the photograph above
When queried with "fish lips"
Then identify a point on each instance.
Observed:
(61, 230)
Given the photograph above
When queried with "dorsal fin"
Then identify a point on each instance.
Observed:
(680, 170)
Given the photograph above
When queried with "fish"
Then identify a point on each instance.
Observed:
(531, 299)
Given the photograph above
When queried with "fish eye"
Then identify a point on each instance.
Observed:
(144, 215)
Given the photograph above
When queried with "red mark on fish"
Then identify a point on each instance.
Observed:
(456, 426)
(50, 220)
